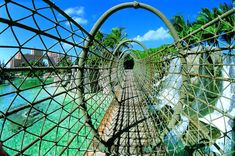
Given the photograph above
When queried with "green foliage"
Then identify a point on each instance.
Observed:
(5, 76)
(115, 37)
(109, 41)
(104, 44)
(181, 26)
(65, 62)
(153, 52)
(34, 64)
(223, 29)
(140, 54)
(101, 48)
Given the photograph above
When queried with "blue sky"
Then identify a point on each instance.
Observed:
(92, 9)
(138, 23)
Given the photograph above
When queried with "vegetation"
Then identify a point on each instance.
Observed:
(206, 89)
(223, 29)
(109, 41)
(156, 55)
(33, 73)
(114, 38)
(152, 51)
(65, 62)
(209, 64)
(4, 75)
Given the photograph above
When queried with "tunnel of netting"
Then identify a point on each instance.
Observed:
(50, 104)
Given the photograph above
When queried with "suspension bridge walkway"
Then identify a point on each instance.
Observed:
(128, 128)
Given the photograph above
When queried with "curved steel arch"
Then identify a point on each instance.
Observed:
(116, 8)
(115, 51)
(130, 40)
(93, 32)
(135, 5)
(126, 41)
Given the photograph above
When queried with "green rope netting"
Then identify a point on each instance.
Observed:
(176, 101)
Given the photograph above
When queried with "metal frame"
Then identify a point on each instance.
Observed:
(78, 108)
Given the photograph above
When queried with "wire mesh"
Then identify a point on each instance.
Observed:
(190, 90)
(41, 110)
(176, 101)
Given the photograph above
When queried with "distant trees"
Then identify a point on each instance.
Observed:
(114, 38)
(65, 62)
(219, 31)
(2, 75)
(109, 41)
(33, 63)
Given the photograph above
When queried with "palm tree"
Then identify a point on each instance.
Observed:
(227, 25)
(210, 36)
(114, 38)
(184, 28)
(99, 47)
(206, 16)
(180, 25)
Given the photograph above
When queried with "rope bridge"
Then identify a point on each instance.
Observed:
(62, 92)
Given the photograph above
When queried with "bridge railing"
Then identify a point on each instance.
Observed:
(206, 98)
(41, 111)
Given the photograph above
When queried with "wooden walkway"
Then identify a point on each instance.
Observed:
(126, 126)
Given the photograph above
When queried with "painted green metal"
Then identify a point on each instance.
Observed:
(137, 5)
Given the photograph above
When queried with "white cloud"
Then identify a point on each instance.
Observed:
(77, 14)
(80, 20)
(78, 11)
(66, 46)
(158, 34)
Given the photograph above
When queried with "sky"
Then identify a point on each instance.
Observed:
(138, 23)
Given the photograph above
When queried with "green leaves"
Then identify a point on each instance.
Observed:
(180, 25)
(115, 37)
(222, 28)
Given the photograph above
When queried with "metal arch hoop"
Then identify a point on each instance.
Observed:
(93, 32)
(112, 59)
(130, 40)
(116, 8)
(126, 41)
